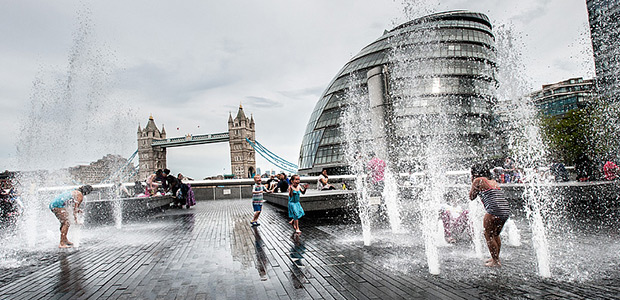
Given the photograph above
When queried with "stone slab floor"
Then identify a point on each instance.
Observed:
(211, 252)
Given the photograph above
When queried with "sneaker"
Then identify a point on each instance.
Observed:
(254, 224)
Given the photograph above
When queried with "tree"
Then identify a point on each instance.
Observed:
(571, 135)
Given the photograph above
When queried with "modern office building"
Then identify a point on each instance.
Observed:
(604, 16)
(441, 64)
(557, 99)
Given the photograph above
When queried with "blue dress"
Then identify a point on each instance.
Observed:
(294, 207)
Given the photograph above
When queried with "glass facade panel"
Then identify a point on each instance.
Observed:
(604, 19)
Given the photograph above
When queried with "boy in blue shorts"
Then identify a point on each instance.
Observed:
(257, 198)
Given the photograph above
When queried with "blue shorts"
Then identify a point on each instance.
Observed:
(257, 206)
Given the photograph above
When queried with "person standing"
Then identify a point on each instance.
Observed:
(496, 206)
(295, 211)
(611, 170)
(257, 198)
(59, 207)
(376, 168)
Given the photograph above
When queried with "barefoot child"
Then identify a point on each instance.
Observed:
(257, 198)
(294, 207)
(496, 206)
(58, 207)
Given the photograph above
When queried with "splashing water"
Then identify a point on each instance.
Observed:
(391, 198)
(526, 141)
(73, 117)
(476, 213)
(118, 213)
(355, 126)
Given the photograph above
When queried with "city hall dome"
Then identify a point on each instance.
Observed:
(453, 55)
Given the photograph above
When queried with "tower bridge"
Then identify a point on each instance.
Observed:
(192, 140)
(152, 145)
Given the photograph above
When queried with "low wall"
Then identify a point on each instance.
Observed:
(103, 210)
(315, 200)
(221, 192)
(582, 201)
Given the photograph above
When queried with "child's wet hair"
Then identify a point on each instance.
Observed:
(85, 189)
(293, 177)
(481, 170)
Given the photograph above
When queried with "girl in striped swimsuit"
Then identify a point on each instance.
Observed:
(496, 206)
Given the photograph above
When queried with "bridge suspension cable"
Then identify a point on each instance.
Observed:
(272, 157)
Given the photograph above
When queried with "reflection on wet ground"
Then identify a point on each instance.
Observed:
(211, 250)
(261, 256)
(298, 275)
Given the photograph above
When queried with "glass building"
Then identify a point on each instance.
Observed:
(604, 17)
(557, 99)
(446, 58)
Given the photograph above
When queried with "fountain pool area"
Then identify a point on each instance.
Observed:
(210, 250)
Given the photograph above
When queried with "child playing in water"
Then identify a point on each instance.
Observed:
(58, 207)
(295, 211)
(455, 219)
(496, 206)
(257, 198)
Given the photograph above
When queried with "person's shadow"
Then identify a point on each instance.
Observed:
(261, 256)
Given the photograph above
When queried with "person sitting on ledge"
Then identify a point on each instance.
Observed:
(271, 183)
(282, 184)
(154, 181)
(455, 220)
(321, 183)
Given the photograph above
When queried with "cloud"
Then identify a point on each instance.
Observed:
(260, 102)
(533, 11)
(163, 85)
(315, 92)
(191, 63)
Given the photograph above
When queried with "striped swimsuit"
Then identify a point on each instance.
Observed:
(495, 203)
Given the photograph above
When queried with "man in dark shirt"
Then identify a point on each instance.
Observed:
(282, 186)
(173, 184)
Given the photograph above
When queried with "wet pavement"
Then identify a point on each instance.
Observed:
(212, 252)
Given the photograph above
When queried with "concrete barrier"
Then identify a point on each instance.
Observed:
(315, 200)
(103, 210)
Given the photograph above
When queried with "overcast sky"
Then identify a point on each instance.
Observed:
(78, 77)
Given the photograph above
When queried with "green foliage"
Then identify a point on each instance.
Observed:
(592, 130)
(570, 135)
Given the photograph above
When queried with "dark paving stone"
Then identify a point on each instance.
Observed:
(211, 252)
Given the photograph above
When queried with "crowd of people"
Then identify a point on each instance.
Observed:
(157, 184)
(584, 170)
(294, 190)
(485, 185)
(163, 183)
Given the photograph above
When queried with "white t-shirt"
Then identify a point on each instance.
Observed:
(319, 183)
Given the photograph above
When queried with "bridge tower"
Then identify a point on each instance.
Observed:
(242, 155)
(150, 157)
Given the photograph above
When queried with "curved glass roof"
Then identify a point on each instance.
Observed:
(464, 47)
